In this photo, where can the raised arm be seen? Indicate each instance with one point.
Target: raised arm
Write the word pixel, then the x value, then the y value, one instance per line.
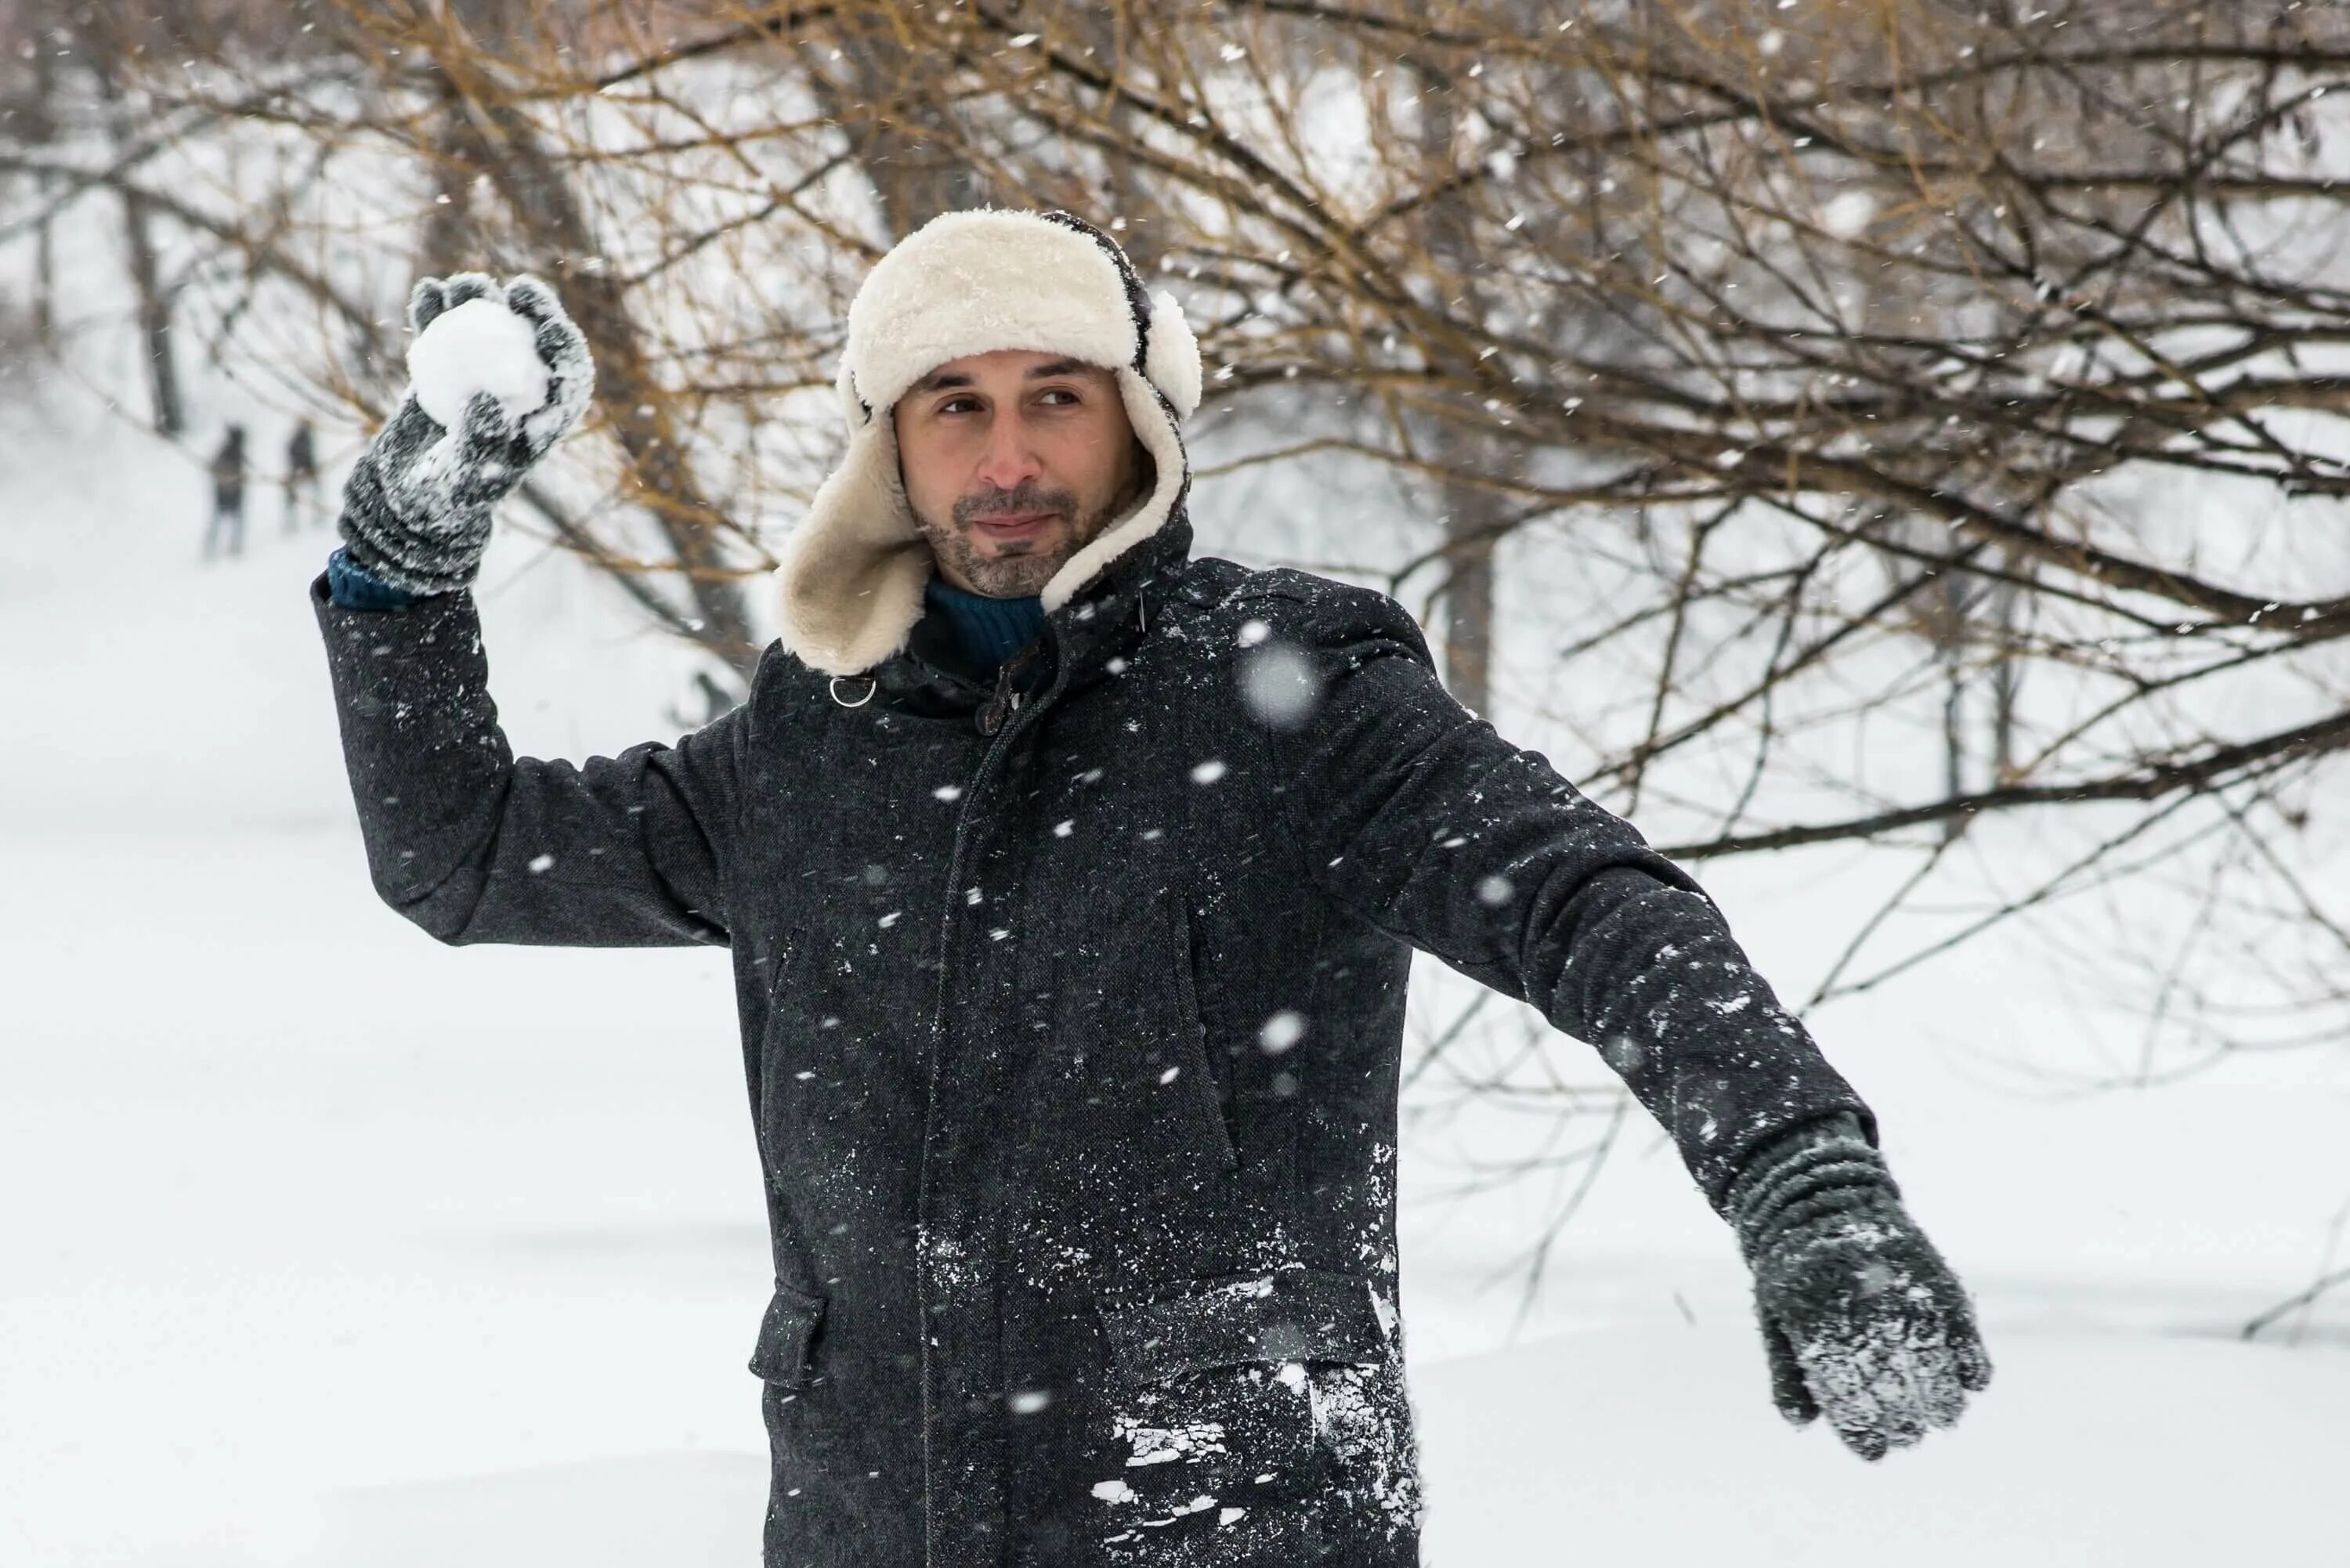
pixel 472 843
pixel 477 845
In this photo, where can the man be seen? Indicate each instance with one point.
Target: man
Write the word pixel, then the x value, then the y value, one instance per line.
pixel 299 486
pixel 226 532
pixel 1071 883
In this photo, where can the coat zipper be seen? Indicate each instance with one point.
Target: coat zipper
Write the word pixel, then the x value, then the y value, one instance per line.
pixel 1005 701
pixel 999 720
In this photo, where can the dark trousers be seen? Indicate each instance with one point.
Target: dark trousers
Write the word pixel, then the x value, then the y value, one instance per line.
pixel 303 499
pixel 228 523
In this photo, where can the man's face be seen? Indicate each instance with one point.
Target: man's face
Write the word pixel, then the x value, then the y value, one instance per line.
pixel 1013 462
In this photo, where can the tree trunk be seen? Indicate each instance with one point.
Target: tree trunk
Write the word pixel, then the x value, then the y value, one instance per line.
pixel 169 414
pixel 452 240
pixel 905 144
pixel 1469 522
pixel 1471 513
pixel 552 230
pixel 39 128
pixel 168 410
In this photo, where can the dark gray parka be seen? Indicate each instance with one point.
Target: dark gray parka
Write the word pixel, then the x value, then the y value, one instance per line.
pixel 1071 1030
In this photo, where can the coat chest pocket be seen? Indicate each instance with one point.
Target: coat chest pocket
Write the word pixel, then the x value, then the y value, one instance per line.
pixel 1188 1041
pixel 785 1355
pixel 1130 1056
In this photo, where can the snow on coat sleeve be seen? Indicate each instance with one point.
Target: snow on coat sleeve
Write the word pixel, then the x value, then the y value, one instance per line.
pixel 1422 820
pixel 477 845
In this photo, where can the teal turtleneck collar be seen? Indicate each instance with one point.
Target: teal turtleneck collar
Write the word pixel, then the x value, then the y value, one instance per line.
pixel 988 630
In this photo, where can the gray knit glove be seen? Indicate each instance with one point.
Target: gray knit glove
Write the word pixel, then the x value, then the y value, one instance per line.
pixel 416 508
pixel 1862 1320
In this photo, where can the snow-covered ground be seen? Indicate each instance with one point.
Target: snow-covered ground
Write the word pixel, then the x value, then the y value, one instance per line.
pixel 326 1245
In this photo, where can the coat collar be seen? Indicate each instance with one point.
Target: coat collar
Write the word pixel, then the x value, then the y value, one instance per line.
pixel 1103 620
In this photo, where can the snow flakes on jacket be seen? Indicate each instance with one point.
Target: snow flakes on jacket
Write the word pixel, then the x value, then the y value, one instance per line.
pixel 1072 1032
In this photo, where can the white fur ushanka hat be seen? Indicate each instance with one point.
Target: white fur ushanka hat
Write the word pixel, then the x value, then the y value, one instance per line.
pixel 971 282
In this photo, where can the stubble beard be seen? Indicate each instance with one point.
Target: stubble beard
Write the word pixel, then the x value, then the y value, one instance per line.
pixel 1020 567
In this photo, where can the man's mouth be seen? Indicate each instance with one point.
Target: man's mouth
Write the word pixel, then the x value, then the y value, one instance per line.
pixel 1014 525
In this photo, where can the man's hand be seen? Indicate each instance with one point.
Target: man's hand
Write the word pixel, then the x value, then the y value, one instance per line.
pixel 416 508
pixel 1862 1320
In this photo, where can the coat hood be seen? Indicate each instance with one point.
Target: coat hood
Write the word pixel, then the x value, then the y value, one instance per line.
pixel 850 582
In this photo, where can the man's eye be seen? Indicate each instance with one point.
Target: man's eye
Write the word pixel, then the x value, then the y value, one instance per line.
pixel 958 405
pixel 1069 398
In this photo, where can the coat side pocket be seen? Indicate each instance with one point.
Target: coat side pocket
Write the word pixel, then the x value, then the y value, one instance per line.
pixel 784 1354
pixel 1287 1314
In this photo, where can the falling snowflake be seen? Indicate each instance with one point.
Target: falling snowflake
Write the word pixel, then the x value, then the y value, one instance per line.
pixel 1279 685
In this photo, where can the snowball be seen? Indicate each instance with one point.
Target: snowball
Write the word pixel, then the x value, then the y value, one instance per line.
pixel 477 346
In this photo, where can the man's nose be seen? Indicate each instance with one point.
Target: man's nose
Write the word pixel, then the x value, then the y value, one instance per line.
pixel 1010 459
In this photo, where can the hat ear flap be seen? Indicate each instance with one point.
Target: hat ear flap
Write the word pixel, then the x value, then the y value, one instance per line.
pixel 1172 363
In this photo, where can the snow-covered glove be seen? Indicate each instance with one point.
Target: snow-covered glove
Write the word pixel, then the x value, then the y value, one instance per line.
pixel 1862 1320
pixel 416 508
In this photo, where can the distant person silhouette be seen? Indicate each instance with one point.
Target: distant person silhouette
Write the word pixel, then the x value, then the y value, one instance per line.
pixel 301 481
pixel 228 495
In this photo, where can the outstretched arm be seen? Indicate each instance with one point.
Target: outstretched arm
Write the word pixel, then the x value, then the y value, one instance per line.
pixel 1428 824
pixel 1425 822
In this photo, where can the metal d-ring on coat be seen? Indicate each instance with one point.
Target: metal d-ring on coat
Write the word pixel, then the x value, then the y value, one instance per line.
pixel 1073 1041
